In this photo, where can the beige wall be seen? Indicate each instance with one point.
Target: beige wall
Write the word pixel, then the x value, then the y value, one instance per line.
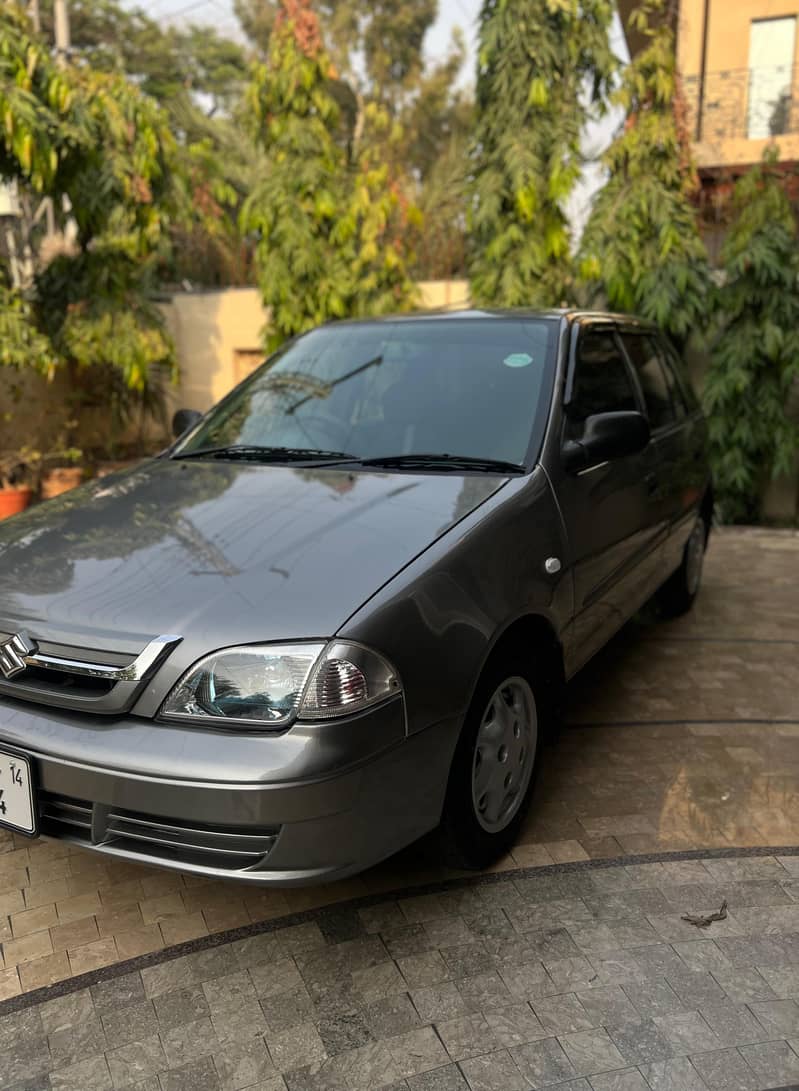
pixel 726 72
pixel 218 336
pixel 727 78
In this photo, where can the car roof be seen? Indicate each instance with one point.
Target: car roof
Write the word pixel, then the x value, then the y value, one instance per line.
pixel 570 314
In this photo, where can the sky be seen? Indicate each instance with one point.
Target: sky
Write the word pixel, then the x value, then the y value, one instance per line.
pixel 452 13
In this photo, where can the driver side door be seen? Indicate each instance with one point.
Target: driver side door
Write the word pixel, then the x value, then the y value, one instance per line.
pixel 609 509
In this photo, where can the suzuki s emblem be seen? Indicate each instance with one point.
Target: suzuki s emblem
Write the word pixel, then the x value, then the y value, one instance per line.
pixel 13 652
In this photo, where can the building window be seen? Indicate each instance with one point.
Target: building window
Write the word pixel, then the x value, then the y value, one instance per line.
pixel 772 45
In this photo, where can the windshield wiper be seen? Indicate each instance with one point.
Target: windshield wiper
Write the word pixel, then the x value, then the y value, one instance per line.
pixel 252 453
pixel 443 462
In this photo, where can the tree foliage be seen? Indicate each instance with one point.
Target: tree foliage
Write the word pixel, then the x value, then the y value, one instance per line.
pixel 754 372
pixel 103 153
pixel 641 250
pixel 541 64
pixel 326 214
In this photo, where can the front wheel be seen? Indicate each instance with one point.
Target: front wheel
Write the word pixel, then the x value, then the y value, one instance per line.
pixel 678 593
pixel 493 769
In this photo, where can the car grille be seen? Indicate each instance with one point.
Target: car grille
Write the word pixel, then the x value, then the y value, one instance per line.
pixel 83 678
pixel 222 848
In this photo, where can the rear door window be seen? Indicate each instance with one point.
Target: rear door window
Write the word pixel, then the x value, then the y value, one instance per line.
pixel 602 382
pixel 644 355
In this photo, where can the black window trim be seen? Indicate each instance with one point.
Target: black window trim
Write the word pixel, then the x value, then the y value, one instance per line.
pixel 581 328
pixel 643 330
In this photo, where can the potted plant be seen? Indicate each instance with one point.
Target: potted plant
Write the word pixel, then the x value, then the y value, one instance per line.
pixel 63 473
pixel 18 477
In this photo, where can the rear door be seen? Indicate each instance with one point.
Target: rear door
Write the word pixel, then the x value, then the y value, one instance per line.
pixel 612 524
pixel 677 440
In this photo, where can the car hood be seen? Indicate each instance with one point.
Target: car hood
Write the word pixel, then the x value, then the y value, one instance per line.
pixel 223 553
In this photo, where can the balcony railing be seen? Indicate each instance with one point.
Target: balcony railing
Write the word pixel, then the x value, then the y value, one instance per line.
pixel 743 103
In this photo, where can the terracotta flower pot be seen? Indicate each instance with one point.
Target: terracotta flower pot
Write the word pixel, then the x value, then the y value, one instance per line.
pixel 14 500
pixel 61 480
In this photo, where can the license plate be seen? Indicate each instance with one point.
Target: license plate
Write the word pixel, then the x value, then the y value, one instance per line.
pixel 17 806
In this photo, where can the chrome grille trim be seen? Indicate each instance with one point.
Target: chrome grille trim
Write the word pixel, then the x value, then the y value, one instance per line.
pixel 80 679
pixel 167 840
pixel 133 672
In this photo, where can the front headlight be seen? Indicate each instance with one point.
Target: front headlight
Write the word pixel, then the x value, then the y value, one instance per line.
pixel 269 686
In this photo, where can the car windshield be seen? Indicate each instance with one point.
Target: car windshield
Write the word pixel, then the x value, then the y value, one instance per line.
pixel 472 388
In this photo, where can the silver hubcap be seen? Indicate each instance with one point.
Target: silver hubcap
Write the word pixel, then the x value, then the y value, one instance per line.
pixel 694 556
pixel 504 754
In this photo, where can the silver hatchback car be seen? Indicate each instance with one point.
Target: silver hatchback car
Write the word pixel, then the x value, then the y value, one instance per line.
pixel 340 610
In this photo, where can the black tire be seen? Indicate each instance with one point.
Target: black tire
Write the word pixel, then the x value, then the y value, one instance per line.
pixel 466 842
pixel 678 593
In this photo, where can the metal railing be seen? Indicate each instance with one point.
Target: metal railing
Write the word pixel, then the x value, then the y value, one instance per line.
pixel 743 103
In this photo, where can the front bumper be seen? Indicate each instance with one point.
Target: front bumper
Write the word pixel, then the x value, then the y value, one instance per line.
pixel 320 802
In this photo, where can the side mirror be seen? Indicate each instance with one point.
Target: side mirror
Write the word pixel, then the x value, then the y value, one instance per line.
pixel 183 420
pixel 606 436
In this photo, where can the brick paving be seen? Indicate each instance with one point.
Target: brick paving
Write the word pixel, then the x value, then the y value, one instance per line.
pixel 680 736
pixel 582 977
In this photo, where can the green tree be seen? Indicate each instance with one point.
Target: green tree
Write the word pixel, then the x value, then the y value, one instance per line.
pixel 103 153
pixel 754 372
pixel 541 66
pixel 641 250
pixel 323 213
pixel 376 51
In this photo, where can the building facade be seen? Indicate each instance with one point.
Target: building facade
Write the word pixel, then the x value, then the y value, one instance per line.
pixel 739 65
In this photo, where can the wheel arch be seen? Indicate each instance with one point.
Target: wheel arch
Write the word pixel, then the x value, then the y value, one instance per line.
pixel 534 632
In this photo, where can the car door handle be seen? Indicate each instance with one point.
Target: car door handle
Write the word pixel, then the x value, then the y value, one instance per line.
pixel 651 482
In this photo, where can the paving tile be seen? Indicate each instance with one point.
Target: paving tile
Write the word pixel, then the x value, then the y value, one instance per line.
pixel 71 1044
pixel 229 990
pixel 416 1051
pixel 527 981
pixel 66 1011
pixel 774 1062
pixel 742 984
pixel 199 1074
pixel 294 1048
pixel 136 1061
pixel 343 1031
pixel 273 978
pixel 641 1043
pixel 695 987
pixel 484 991
pixel 542 1063
pixel 390 1016
pixel 92 956
pixel 495 1071
pixel 243 1064
pixel 428 968
pixel 439 1002
pixel 515 1025
pixel 779 1018
pixel 782 980
pixel 676 1074
pixel 284 1010
pixel 186 1041
pixel 687 1032
pixel 733 1024
pixel 165 977
pixel 117 992
pixel 627 1079
pixel 466 1036
pixel 725 1070
pixel 9 983
pixel 131 1023
pixel 181 1006
pixel 244 1020
pixel 591 1051
pixel 652 998
pixel 562 1014
pixel 448 1078
pixel 74 934
pixel 89 1074
pixel 608 1004
pixel 44 971
pixel 466 960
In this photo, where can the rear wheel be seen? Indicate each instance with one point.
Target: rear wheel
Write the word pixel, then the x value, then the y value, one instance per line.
pixel 494 765
pixel 678 593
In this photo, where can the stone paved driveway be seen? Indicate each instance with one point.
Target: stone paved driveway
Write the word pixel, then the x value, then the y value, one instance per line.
pixel 683 740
